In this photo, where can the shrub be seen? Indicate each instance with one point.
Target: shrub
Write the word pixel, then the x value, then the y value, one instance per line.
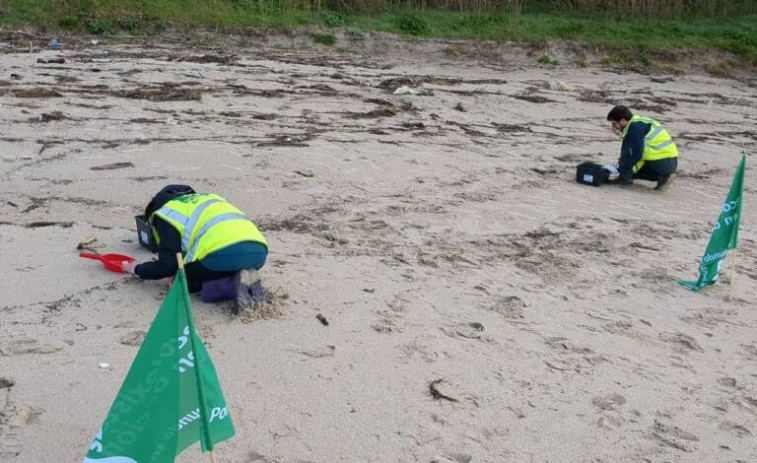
pixel 720 69
pixel 78 8
pixel 69 22
pixel 740 43
pixel 156 27
pixel 245 4
pixel 332 19
pixel 96 26
pixel 546 59
pixel 569 30
pixel 632 56
pixel 468 22
pixel 128 24
pixel 354 35
pixel 412 25
pixel 450 52
pixel 325 39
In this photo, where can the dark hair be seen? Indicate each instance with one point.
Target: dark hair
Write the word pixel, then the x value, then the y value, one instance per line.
pixel 168 193
pixel 619 112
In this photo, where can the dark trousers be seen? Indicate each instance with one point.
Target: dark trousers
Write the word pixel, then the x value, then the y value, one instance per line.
pixel 225 263
pixel 197 273
pixel 653 170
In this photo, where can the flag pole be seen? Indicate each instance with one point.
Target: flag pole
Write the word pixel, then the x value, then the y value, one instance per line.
pixel 733 275
pixel 180 260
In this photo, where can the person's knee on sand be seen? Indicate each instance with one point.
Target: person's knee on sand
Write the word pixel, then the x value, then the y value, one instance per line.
pixel 647 152
pixel 219 245
pixel 664 182
pixel 244 289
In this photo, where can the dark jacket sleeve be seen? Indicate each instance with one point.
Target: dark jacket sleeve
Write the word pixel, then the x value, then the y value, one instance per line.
pixel 170 244
pixel 632 148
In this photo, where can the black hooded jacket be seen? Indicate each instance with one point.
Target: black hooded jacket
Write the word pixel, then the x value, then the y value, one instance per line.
pixel 170 240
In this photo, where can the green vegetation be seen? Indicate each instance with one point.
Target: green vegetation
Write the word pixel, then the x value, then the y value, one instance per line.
pixel 97 26
pixel 412 24
pixel 720 69
pixel 333 19
pixel 641 58
pixel 354 35
pixel 648 26
pixel 546 59
pixel 325 39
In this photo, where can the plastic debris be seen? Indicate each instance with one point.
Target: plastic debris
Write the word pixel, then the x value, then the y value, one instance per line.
pixel 405 90
pixel 558 85
pixel 563 87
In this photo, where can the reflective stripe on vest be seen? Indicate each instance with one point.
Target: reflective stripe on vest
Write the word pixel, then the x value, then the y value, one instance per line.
pixel 658 144
pixel 212 222
pixel 196 225
pixel 189 226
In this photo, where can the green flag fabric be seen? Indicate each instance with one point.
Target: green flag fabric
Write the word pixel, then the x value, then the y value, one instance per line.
pixel 171 397
pixel 725 234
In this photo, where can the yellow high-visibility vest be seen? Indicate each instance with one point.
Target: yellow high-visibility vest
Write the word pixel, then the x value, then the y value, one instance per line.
pixel 207 223
pixel 658 144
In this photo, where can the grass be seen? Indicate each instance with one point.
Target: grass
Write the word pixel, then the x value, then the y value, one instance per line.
pixel 721 69
pixel 737 34
pixel 324 39
pixel 546 59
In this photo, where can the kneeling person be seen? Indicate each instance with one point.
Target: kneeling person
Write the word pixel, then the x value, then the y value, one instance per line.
pixel 221 246
pixel 648 152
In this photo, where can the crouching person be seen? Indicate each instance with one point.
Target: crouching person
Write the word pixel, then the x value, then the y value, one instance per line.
pixel 648 152
pixel 222 248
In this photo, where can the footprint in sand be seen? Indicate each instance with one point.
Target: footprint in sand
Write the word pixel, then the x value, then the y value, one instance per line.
pixel 565 345
pixel 133 338
pixel 609 401
pixel 12 419
pixel 682 341
pixel 610 422
pixel 320 352
pixel 453 458
pixel 509 306
pixel 472 330
pixel 727 382
pixel 29 346
pixel 736 429
pixel 419 350
pixel 673 436
pixel 391 320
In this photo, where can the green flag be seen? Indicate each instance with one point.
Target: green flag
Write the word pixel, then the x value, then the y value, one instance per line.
pixel 725 234
pixel 171 397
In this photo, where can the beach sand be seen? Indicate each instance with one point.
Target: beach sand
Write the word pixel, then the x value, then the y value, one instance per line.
pixel 482 305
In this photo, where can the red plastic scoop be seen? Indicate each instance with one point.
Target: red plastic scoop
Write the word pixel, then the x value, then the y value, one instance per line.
pixel 111 261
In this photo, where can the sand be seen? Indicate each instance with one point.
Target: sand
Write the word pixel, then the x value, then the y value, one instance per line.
pixel 482 305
